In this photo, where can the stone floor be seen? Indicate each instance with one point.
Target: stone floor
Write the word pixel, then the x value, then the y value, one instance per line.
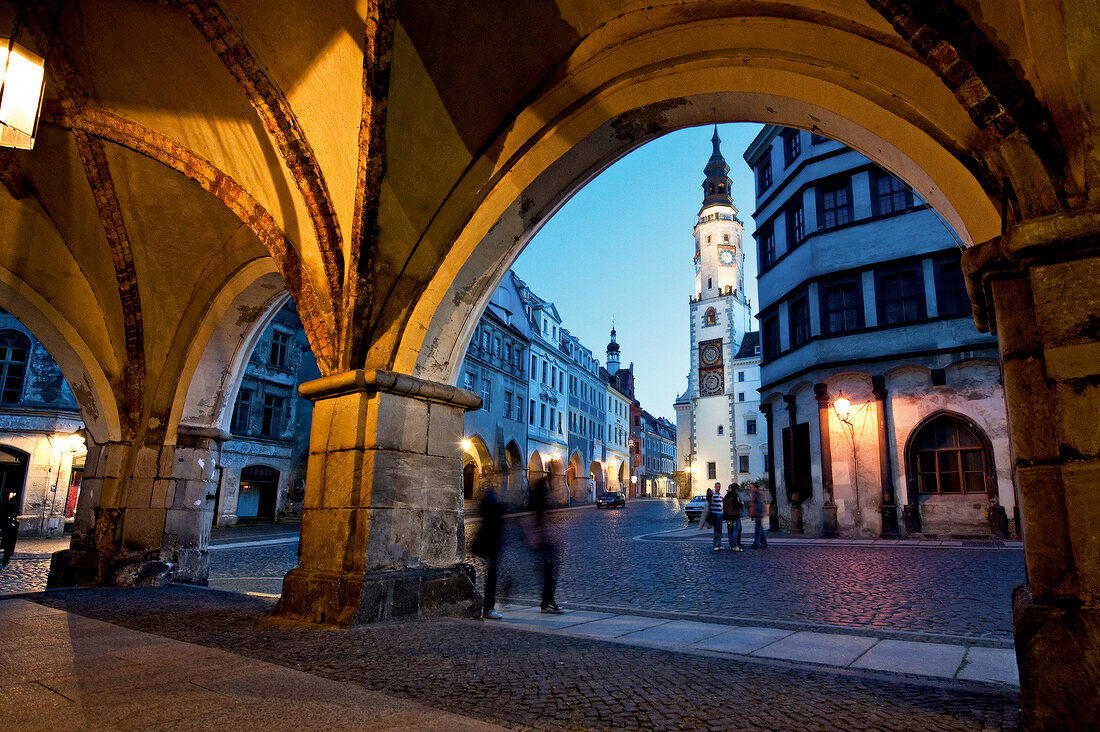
pixel 192 658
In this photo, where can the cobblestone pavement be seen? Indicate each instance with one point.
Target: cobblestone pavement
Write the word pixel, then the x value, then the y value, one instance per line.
pixel 532 680
pixel 944 591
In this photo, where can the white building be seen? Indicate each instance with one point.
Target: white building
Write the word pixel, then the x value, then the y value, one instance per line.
pixel 862 297
pixel 711 415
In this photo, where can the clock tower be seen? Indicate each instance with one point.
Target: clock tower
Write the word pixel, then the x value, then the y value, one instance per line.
pixel 717 393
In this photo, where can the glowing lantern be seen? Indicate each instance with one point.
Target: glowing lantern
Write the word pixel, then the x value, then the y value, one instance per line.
pixel 24 75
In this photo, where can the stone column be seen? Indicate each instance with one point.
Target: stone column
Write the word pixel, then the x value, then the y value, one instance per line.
pixel 1038 288
pixel 773 514
pixel 886 472
pixel 382 527
pixel 828 510
pixel 144 514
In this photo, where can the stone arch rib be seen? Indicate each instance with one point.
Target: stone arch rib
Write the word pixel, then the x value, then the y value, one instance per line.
pixel 136 137
pixel 96 169
pixel 225 38
pixel 999 101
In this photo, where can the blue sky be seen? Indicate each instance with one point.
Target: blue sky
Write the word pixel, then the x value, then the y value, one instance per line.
pixel 622 248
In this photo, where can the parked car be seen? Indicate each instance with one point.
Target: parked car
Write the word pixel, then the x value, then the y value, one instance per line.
pixel 610 499
pixel 694 508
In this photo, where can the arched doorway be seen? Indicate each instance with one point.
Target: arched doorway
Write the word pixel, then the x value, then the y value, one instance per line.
pixel 468 477
pixel 257 494
pixel 951 476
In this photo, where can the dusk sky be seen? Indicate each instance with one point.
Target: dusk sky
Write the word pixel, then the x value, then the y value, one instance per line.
pixel 622 249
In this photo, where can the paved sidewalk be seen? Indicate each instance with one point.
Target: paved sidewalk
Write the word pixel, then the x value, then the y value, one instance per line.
pixel 919 655
pixel 63 670
pixel 693 533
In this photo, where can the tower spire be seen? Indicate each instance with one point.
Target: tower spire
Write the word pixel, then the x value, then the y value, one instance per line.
pixel 716 184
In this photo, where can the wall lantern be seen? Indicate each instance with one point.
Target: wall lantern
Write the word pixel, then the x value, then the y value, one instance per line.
pixel 21 87
pixel 843 407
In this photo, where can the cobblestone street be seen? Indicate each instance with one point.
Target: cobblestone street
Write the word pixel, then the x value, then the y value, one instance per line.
pixel 614 560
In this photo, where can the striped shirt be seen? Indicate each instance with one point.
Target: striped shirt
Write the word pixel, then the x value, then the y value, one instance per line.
pixel 716 503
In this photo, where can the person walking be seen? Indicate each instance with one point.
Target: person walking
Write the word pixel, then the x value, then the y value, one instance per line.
pixel 732 506
pixel 487 545
pixel 540 538
pixel 715 515
pixel 756 511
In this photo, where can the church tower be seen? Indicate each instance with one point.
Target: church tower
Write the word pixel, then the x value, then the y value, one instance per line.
pixel 710 410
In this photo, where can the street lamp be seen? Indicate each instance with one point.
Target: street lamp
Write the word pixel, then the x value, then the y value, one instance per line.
pixel 466 445
pixel 842 405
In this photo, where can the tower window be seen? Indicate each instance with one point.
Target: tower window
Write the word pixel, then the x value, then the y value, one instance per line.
pixel 711 316
pixel 709 283
pixel 721 429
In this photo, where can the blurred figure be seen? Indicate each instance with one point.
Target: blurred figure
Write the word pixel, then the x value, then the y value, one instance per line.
pixel 714 518
pixel 757 509
pixel 9 530
pixel 540 538
pixel 487 545
pixel 732 506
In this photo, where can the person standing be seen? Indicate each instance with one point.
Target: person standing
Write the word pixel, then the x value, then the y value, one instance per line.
pixel 715 515
pixel 732 506
pixel 756 511
pixel 487 546
pixel 541 539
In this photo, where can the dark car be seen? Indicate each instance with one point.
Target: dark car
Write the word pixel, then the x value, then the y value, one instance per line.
pixel 610 499
pixel 694 508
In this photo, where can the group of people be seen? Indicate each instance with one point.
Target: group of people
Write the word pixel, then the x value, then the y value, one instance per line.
pixel 538 535
pixel 729 509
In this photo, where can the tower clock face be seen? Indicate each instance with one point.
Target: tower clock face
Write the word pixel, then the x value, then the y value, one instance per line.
pixel 726 257
pixel 712 383
pixel 710 354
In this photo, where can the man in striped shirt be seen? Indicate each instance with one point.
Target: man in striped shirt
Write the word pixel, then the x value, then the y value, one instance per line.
pixel 715 517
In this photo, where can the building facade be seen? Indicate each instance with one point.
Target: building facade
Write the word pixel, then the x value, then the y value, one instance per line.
pixel 494 445
pixel 587 400
pixel 262 463
pixel 42 445
pixel 717 401
pixel 886 405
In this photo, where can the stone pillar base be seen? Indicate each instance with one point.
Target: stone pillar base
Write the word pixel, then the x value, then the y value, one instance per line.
pixel 80 567
pixel 357 599
pixel 796 519
pixel 829 522
pixel 1058 652
pixel 911 516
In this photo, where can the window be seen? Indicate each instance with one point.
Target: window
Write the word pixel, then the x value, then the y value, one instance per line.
pixel 545 370
pixel 486 394
pixel 951 298
pixel 889 194
pixel 740 396
pixel 800 321
pixel 766 239
pixel 750 426
pixel 711 316
pixel 712 471
pixel 721 429
pixel 531 414
pixel 519 409
pixel 239 423
pixel 710 283
pixel 534 365
pixel 468 381
pixel 763 176
pixel 796 226
pixel 841 306
pixel 770 334
pixel 14 350
pixel 272 422
pixel 742 463
pixel 792 146
pixel 740 375
pixel 542 416
pixel 900 295
pixel 508 353
pixel 280 342
pixel 496 346
pixel 948 458
pixel 835 204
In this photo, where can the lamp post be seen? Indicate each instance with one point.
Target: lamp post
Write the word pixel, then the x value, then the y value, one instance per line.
pixel 843 408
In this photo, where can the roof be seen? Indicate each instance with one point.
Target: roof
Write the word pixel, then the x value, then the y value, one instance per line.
pixel 750 346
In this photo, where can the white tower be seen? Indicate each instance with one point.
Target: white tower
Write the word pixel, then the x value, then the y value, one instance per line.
pixel 719 318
